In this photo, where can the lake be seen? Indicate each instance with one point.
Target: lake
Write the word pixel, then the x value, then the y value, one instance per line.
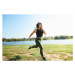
pixel 64 42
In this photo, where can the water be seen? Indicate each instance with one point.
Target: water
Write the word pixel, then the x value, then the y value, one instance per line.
pixel 64 42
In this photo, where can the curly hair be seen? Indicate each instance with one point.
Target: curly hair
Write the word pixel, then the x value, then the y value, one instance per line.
pixel 37 25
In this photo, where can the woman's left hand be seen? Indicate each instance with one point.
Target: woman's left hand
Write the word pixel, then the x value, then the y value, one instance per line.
pixel 42 28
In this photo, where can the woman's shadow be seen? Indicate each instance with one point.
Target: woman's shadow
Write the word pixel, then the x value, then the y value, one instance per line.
pixel 17 57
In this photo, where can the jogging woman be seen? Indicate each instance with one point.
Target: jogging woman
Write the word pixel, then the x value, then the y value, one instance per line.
pixel 39 33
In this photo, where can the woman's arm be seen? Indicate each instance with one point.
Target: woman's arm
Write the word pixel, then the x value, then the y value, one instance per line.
pixel 32 34
pixel 43 31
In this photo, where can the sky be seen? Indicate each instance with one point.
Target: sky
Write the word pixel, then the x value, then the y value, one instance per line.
pixel 22 25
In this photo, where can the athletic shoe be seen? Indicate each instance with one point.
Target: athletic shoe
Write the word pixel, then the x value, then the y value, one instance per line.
pixel 44 58
pixel 29 47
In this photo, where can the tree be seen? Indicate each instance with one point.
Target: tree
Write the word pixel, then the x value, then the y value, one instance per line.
pixel 68 37
pixel 57 37
pixel 4 40
pixel 12 39
pixel 52 37
pixel 62 37
pixel 71 36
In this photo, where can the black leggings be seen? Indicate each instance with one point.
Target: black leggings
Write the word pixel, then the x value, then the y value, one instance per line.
pixel 38 44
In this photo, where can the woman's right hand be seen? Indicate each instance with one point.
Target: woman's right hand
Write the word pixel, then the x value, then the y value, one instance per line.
pixel 28 39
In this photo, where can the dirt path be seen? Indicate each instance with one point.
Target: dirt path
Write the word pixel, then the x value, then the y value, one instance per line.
pixel 4 58
pixel 58 56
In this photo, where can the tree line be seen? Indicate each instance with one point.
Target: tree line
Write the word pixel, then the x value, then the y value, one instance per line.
pixel 43 38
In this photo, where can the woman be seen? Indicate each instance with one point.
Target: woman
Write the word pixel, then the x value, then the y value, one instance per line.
pixel 39 32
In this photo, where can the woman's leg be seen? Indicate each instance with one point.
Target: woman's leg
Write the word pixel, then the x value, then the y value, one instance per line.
pixel 35 46
pixel 41 50
pixel 40 46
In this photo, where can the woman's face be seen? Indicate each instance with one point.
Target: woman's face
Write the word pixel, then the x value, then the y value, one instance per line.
pixel 40 25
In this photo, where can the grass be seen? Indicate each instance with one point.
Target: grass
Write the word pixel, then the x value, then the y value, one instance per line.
pixel 51 52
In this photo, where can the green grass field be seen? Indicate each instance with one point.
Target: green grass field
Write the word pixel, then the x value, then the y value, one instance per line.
pixel 51 52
